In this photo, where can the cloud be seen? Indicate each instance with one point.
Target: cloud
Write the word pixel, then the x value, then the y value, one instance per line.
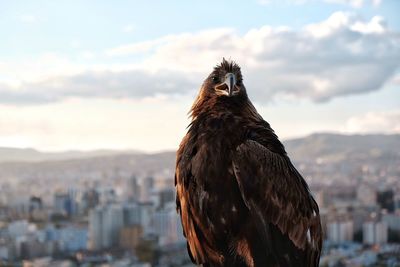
pixel 104 84
pixel 343 55
pixel 355 3
pixel 374 122
pixel 150 124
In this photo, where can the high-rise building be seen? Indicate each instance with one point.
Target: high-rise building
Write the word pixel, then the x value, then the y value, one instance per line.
pixel 341 231
pixel 167 225
pixel 375 233
pixel 106 222
pixel 369 233
pixel 96 228
pixel 90 199
pixel 131 214
pixel 133 189
pixel 60 202
pixel 381 233
pixel 65 202
pixel 146 210
pixel 165 196
pixel 146 187
pixel 113 221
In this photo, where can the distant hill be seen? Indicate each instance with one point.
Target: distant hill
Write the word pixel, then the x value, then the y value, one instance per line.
pixel 337 151
pixel 329 146
pixel 338 147
pixel 8 154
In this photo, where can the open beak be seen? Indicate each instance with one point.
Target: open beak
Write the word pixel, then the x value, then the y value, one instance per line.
pixel 228 85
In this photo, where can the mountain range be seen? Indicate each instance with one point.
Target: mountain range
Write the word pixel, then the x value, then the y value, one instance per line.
pixel 327 145
pixel 338 151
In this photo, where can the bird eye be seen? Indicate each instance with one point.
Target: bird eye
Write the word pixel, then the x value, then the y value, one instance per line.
pixel 215 79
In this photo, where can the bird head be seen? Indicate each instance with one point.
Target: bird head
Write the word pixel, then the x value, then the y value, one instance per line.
pixel 225 80
pixel 224 86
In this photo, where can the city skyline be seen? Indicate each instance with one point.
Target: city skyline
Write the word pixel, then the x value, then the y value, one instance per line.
pixel 120 209
pixel 90 76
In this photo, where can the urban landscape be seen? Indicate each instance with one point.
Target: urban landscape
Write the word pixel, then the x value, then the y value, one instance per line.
pixel 119 209
pixel 96 96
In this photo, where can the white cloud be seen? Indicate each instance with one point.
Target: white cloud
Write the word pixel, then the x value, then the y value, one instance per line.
pixel 321 61
pixel 149 124
pixel 376 25
pixel 342 55
pixel 374 122
pixel 356 3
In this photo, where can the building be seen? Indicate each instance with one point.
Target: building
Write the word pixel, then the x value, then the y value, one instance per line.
pixel 381 233
pixel 20 228
pixel 90 199
pixel 95 229
pixel 397 201
pixel 65 203
pixel 166 196
pixel 106 223
pixel 392 220
pixel 146 210
pixel 133 189
pixel 130 236
pixel 113 221
pixel 366 195
pixel 146 187
pixel 375 233
pixel 73 238
pixel 385 200
pixel 132 214
pixel 340 231
pixel 167 225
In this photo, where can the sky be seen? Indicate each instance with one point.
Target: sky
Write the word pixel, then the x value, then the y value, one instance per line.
pixel 123 74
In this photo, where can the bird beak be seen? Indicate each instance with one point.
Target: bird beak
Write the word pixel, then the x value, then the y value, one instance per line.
pixel 228 86
pixel 230 81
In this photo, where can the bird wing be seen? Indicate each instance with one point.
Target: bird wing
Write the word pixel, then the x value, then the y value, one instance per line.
pixel 196 233
pixel 278 198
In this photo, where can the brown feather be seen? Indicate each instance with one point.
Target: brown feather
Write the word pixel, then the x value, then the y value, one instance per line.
pixel 240 199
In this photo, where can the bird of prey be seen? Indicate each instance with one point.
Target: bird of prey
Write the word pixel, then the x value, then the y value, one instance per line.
pixel 240 199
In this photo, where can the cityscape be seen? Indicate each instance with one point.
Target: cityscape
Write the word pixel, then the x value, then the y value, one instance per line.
pixel 95 97
pixel 118 209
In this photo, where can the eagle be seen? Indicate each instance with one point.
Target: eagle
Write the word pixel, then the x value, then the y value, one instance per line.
pixel 240 199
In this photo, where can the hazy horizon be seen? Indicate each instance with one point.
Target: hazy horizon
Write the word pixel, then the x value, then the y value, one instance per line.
pixel 134 150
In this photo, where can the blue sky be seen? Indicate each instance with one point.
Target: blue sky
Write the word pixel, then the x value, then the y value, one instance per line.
pixel 32 27
pixel 121 75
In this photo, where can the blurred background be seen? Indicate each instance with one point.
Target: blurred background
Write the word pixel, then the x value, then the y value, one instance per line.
pixel 94 97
